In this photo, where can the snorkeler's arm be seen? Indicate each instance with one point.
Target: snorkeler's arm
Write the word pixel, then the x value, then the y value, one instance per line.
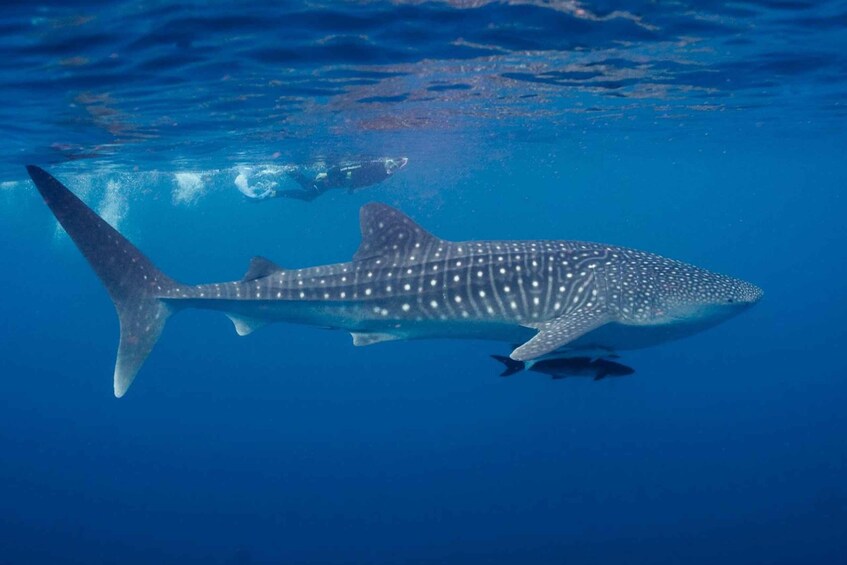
pixel 308 183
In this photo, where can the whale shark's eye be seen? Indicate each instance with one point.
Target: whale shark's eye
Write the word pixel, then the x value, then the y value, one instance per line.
pixel 730 300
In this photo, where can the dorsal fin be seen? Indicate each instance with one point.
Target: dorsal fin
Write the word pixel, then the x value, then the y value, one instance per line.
pixel 388 232
pixel 260 267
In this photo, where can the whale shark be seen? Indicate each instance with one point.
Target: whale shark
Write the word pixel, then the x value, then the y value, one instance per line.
pixel 406 283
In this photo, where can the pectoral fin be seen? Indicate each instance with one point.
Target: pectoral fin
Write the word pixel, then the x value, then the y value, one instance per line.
pixel 560 331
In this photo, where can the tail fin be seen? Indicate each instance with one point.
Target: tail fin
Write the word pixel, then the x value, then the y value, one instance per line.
pixel 131 279
pixel 512 366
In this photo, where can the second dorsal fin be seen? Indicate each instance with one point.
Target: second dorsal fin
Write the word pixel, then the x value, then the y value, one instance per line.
pixel 260 267
pixel 388 232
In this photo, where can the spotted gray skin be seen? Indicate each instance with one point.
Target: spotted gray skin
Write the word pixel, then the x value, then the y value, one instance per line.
pixel 405 283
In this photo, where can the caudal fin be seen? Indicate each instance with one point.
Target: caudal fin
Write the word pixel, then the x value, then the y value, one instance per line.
pixel 512 366
pixel 131 279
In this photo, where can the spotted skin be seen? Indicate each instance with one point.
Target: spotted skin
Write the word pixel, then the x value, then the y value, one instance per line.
pixel 405 283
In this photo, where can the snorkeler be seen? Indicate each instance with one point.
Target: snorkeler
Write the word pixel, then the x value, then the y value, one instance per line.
pixel 350 176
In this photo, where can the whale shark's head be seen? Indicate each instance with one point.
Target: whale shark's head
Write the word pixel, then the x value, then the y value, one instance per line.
pixel 689 295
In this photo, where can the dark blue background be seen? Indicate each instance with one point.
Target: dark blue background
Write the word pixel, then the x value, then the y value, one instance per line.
pixel 292 446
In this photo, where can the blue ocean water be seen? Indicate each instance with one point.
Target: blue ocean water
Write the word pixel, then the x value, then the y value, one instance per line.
pixel 712 132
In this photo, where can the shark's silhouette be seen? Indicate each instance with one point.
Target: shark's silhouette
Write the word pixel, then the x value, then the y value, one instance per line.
pixel 405 283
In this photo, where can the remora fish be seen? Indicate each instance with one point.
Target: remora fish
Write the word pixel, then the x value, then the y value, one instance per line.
pixel 405 283
pixel 561 367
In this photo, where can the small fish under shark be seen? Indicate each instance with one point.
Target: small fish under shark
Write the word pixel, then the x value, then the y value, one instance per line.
pixel 562 367
pixel 405 283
